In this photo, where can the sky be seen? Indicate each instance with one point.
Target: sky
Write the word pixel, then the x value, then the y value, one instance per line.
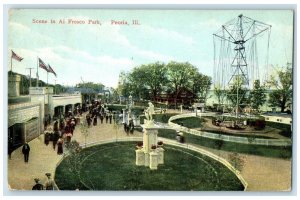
pixel 99 52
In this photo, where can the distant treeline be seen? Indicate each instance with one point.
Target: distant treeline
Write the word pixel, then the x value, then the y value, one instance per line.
pixel 25 84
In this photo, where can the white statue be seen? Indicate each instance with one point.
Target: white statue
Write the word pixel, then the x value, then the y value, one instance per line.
pixel 149 111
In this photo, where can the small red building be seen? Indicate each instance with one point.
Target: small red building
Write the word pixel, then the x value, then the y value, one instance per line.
pixel 184 97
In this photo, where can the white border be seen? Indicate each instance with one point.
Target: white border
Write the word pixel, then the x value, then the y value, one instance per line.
pixel 154 4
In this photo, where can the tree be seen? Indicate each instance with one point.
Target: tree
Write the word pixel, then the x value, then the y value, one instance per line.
pixel 84 130
pixel 281 89
pixel 179 75
pixel 257 96
pixel 97 87
pixel 220 94
pixel 201 85
pixel 74 159
pixel 148 78
pixel 237 93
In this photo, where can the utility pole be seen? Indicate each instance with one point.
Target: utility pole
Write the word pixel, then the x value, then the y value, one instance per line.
pixel 55 86
pixel 30 75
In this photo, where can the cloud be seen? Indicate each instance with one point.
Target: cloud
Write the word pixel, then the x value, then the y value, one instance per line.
pixel 100 69
pixel 211 23
pixel 168 35
pixel 13 26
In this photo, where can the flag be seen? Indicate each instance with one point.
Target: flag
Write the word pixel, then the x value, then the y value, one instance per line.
pixel 51 70
pixel 43 65
pixel 15 56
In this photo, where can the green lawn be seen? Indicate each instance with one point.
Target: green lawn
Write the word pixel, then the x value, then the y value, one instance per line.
pixel 190 122
pixel 268 151
pixel 112 167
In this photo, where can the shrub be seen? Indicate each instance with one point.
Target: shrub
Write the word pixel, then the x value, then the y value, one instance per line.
pixel 140 144
pixel 260 124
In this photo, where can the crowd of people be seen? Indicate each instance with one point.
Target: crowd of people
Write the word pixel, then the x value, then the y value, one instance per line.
pixel 63 129
pixel 60 131
pixel 98 110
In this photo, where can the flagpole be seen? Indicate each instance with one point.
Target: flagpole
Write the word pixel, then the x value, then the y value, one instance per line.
pixel 11 63
pixel 48 108
pixel 37 73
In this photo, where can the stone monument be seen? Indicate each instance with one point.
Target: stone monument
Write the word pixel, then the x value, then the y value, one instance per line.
pixel 150 154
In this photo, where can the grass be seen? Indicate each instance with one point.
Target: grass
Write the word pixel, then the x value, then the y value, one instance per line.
pixel 112 167
pixel 285 129
pixel 260 150
pixel 190 122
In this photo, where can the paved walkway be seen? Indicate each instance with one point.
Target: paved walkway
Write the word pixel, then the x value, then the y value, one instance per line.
pixel 261 173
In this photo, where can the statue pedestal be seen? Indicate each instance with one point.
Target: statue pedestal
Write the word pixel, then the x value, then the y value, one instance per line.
pixel 149 138
pixel 160 152
pixel 153 160
pixel 147 159
pixel 148 156
pixel 140 157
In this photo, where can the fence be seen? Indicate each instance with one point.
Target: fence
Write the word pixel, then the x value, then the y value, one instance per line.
pixel 209 154
pixel 228 138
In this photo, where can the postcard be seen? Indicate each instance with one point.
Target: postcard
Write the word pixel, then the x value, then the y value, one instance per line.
pixel 150 100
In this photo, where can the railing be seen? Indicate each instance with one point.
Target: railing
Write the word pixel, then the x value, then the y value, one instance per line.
pixel 211 155
pixel 228 138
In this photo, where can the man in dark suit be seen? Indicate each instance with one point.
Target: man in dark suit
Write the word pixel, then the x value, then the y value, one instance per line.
pixel 25 151
pixel 37 185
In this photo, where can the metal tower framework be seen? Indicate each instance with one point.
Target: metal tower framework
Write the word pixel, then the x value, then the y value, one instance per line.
pixel 238 32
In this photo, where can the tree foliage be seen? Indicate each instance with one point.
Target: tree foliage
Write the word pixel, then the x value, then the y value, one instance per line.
pixel 281 89
pixel 150 80
pixel 201 85
pixel 220 94
pixel 237 94
pixel 257 95
pixel 25 84
pixel 179 76
pixel 74 159
pixel 94 86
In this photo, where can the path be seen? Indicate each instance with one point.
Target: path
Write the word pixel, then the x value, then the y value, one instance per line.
pixel 43 159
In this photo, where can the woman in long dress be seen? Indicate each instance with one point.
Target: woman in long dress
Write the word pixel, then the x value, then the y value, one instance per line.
pixel 60 143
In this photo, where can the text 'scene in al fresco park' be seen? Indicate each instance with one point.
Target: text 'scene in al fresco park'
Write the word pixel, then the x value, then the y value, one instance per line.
pixel 86 21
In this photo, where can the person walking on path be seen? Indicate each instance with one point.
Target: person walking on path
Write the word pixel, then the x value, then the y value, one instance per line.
pixel 101 118
pixel 55 139
pixel 37 185
pixel 10 147
pixel 106 118
pixel 95 120
pixel 60 143
pixel 25 151
pixel 110 117
pixel 50 185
